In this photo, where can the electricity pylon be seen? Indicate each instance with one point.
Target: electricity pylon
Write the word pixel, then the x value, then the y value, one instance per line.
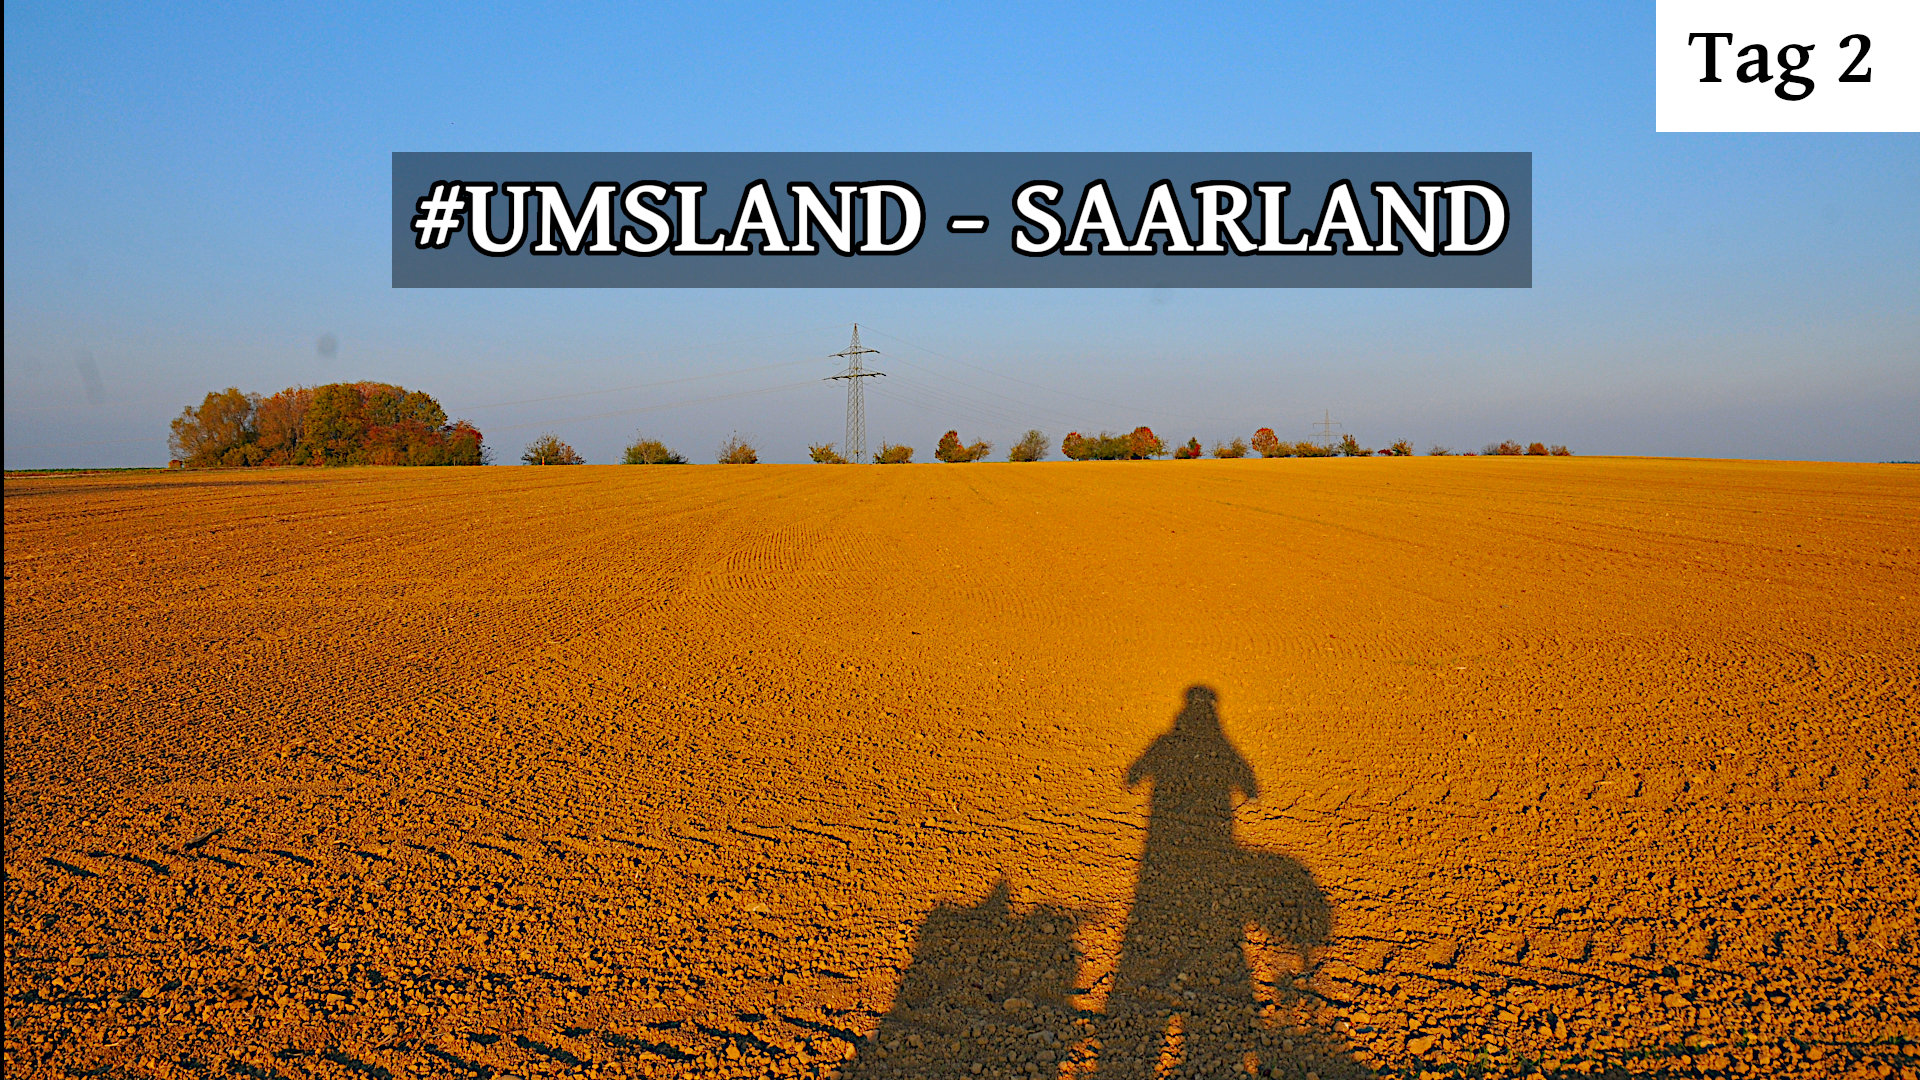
pixel 1326 425
pixel 856 400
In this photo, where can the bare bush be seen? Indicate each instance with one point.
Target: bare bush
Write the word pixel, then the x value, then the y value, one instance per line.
pixel 645 451
pixel 1560 451
pixel 1437 450
pixel 1235 449
pixel 1031 447
pixel 735 450
pixel 549 450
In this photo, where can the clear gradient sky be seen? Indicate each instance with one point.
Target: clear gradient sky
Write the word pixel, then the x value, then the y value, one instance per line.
pixel 196 198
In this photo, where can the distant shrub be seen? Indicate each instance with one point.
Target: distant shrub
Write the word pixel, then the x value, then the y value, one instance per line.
pixel 952 451
pixel 1189 450
pixel 1235 449
pixel 1538 449
pixel 1138 444
pixel 1105 446
pixel 1267 444
pixel 889 454
pixel 1350 447
pixel 1031 447
pixel 1400 448
pixel 549 450
pixel 825 454
pixel 1308 448
pixel 1509 448
pixel 645 451
pixel 735 450
pixel 1437 450
pixel 1560 451
pixel 1470 453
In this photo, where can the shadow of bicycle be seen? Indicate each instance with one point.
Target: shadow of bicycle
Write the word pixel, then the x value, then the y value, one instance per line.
pixel 989 991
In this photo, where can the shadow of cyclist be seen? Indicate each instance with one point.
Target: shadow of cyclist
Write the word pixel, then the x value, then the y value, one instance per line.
pixel 1184 996
pixel 991 986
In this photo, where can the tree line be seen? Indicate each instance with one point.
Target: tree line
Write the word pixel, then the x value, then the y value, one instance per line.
pixel 1140 444
pixel 370 423
pixel 357 423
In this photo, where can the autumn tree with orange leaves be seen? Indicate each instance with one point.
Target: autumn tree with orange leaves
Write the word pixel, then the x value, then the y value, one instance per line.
pixel 363 423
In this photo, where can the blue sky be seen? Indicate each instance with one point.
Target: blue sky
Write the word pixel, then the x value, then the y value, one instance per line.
pixel 195 198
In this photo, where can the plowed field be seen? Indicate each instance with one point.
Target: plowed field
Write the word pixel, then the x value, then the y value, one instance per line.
pixel 1424 766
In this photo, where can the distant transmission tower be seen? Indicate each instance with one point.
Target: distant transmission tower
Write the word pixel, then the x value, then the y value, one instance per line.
pixel 856 401
pixel 1326 424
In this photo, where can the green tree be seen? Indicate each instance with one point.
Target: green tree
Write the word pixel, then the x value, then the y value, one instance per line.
pixel 1031 447
pixel 549 450
pixel 1105 446
pixel 422 409
pixel 336 428
pixel 645 451
pixel 222 425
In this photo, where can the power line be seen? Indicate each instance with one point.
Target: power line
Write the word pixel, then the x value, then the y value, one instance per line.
pixel 656 408
pixel 1049 389
pixel 1021 412
pixel 638 386
pixel 941 409
pixel 935 400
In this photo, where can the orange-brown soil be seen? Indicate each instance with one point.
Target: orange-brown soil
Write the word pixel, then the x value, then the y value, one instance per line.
pixel 1421 767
